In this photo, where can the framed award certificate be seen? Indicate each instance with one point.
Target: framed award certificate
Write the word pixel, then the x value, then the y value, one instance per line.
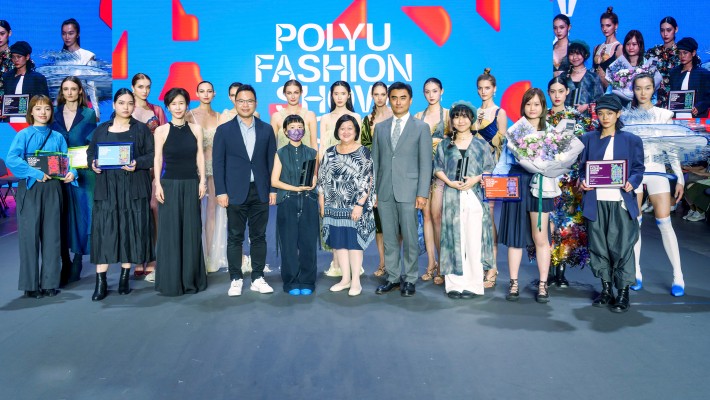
pixel 681 100
pixel 606 173
pixel 77 157
pixel 113 155
pixel 14 105
pixel 307 171
pixel 55 165
pixel 501 187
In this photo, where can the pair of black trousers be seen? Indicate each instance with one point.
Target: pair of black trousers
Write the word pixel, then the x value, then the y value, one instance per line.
pixel 255 213
pixel 298 235
pixel 611 244
pixel 39 225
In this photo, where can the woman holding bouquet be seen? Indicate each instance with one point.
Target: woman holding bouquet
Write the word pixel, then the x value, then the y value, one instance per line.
pixel 621 73
pixel 658 187
pixel 569 237
pixel 519 224
pixel 611 212
pixel 584 85
pixel 466 247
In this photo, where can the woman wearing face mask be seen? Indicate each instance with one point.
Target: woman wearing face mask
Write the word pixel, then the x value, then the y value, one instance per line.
pixel 438 119
pixel 665 57
pixel 380 112
pixel 76 122
pixel 610 50
pixel 179 190
pixel 297 212
pixel 39 201
pixel 5 59
pixel 561 26
pixel 689 75
pixel 121 225
pixel 22 78
pixel 293 90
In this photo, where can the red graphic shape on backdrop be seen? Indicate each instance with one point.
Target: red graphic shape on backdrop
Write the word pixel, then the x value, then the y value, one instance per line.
pixel 355 14
pixel 105 12
pixel 185 75
pixel 18 126
pixel 433 20
pixel 489 10
pixel 512 97
pixel 120 58
pixel 273 107
pixel 185 26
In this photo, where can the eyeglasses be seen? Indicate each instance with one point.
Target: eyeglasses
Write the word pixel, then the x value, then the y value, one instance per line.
pixel 247 102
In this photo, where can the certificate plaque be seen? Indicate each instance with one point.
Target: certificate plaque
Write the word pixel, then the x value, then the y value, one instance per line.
pixel 14 105
pixel 606 174
pixel 55 165
pixel 77 157
pixel 501 187
pixel 113 155
pixel 461 169
pixel 307 171
pixel 681 100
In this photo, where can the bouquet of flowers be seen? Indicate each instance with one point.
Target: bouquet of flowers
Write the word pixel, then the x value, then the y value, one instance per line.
pixel 621 74
pixel 548 154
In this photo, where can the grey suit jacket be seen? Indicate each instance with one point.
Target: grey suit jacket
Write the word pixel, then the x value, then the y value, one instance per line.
pixel 404 173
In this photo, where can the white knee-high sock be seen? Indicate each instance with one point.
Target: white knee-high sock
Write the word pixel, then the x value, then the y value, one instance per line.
pixel 637 251
pixel 670 243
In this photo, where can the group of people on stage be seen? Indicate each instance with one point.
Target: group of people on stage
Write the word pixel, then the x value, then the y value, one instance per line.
pixel 371 178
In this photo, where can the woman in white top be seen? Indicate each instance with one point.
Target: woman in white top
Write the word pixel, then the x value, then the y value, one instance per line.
pixel 658 187
pixel 71 36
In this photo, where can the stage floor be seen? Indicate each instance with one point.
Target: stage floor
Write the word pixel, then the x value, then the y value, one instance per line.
pixel 330 346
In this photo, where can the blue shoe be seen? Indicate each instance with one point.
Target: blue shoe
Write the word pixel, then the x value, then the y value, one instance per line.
pixel 638 286
pixel 677 291
pixel 306 292
pixel 294 292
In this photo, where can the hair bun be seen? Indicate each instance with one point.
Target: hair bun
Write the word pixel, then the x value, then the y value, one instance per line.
pixel 609 10
pixel 486 71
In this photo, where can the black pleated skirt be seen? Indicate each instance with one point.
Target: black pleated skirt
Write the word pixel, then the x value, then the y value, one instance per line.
pixel 181 263
pixel 514 229
pixel 121 226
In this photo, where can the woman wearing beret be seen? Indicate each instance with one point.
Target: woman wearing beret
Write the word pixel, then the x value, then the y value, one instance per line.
pixel 690 76
pixel 23 79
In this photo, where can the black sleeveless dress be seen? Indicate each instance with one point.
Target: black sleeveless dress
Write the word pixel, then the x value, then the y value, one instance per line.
pixel 181 263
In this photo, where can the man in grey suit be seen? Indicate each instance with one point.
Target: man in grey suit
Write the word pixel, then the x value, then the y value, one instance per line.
pixel 402 158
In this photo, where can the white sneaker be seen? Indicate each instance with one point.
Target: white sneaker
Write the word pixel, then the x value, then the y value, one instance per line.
pixel 261 286
pixel 699 216
pixel 150 277
pixel 690 214
pixel 235 289
pixel 333 271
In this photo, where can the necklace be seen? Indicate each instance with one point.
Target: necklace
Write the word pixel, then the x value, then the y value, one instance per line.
pixel 179 126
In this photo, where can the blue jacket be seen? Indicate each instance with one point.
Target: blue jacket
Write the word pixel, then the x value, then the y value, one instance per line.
pixel 699 81
pixel 33 84
pixel 231 164
pixel 627 146
pixel 27 141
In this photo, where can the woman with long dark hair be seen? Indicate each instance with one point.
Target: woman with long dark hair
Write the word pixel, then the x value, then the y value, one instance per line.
pixel 121 223
pixel 76 122
pixel 561 26
pixel 5 59
pixel 71 36
pixel 665 58
pixel 585 86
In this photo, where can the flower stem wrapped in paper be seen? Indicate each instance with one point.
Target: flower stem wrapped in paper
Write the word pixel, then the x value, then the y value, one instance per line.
pixel 547 154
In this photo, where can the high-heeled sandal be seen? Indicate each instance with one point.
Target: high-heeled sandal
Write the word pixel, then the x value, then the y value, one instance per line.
pixel 438 278
pixel 431 272
pixel 513 291
pixel 380 271
pixel 490 282
pixel 543 296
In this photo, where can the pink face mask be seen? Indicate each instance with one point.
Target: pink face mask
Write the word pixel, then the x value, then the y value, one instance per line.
pixel 295 134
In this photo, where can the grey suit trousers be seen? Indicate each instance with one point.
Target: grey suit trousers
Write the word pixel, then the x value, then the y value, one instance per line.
pixel 400 219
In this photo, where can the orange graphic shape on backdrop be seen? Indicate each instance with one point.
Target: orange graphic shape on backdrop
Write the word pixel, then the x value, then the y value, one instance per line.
pixel 512 97
pixel 120 58
pixel 274 107
pixel 489 10
pixel 355 14
pixel 18 126
pixel 184 75
pixel 185 26
pixel 105 12
pixel 433 20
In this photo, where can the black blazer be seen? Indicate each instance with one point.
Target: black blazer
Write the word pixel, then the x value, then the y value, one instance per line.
pixel 699 81
pixel 34 83
pixel 231 164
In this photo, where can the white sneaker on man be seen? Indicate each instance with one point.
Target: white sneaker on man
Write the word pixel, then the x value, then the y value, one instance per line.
pixel 261 286
pixel 690 214
pixel 235 288
pixel 699 216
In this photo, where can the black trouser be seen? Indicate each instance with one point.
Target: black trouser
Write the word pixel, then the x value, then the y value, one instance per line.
pixel 38 218
pixel 256 214
pixel 298 235
pixel 611 244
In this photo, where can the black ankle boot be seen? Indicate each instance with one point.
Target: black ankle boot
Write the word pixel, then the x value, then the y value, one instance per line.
pixel 76 267
pixel 100 290
pixel 621 304
pixel 606 297
pixel 65 272
pixel 561 280
pixel 123 281
pixel 552 276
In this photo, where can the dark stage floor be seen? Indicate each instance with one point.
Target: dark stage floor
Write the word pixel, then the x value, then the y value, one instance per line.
pixel 329 346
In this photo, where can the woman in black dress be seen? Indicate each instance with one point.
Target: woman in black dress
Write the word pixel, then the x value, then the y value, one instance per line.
pixel 121 227
pixel 179 191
